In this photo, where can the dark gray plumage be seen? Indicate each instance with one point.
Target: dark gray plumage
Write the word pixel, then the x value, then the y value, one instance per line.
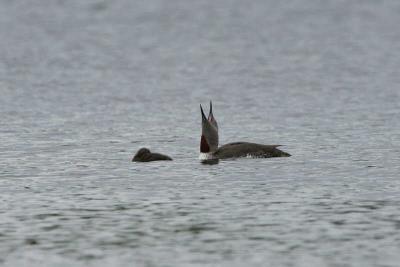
pixel 144 155
pixel 245 149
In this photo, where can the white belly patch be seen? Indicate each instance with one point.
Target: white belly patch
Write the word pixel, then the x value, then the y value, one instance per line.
pixel 206 156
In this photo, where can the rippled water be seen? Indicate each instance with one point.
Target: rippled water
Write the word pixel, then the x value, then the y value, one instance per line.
pixel 85 84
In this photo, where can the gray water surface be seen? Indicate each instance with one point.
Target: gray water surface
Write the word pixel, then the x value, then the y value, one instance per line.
pixel 85 84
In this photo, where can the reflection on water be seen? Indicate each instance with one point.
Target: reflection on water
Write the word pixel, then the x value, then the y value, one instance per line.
pixel 210 161
pixel 85 84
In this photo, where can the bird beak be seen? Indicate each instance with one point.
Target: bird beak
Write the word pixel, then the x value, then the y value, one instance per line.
pixel 203 116
pixel 210 114
pixel 211 118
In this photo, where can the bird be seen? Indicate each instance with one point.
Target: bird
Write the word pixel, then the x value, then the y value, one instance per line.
pixel 209 141
pixel 144 155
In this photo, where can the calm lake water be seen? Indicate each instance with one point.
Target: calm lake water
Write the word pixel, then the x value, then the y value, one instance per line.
pixel 85 84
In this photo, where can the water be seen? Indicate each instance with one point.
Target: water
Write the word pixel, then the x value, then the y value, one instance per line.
pixel 85 84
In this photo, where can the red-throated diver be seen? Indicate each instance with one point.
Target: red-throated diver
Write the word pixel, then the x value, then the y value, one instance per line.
pixel 144 155
pixel 209 144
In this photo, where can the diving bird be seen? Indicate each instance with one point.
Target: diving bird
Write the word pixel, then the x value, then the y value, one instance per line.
pixel 144 155
pixel 209 142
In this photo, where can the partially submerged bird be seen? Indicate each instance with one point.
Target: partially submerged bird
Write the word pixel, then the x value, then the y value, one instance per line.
pixel 144 155
pixel 209 149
